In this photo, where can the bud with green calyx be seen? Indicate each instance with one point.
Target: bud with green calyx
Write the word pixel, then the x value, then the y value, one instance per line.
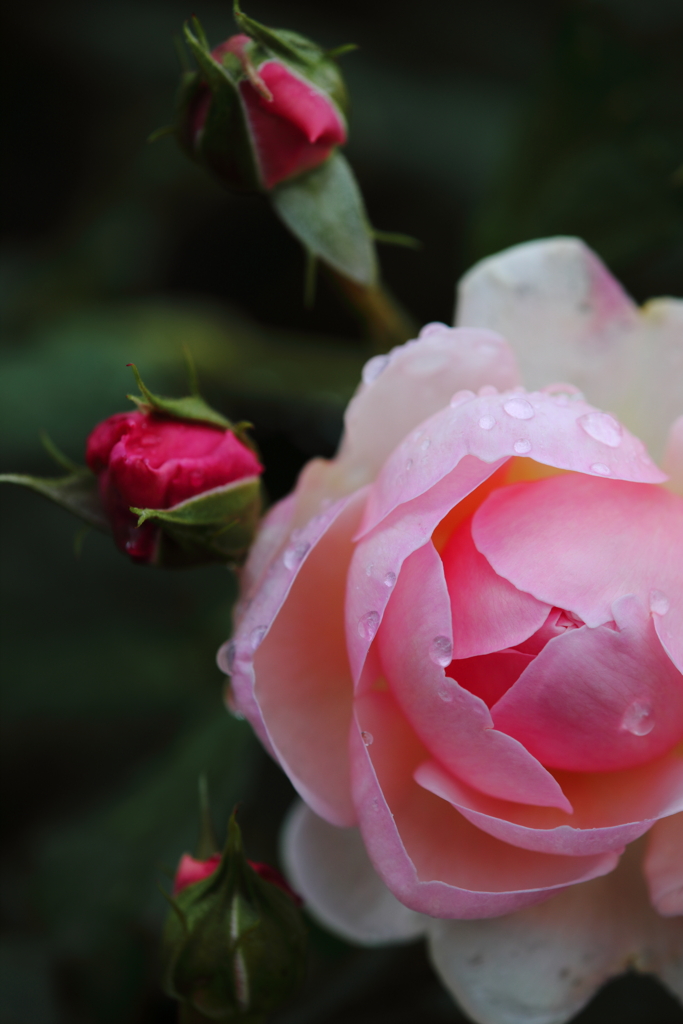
pixel 174 482
pixel 234 946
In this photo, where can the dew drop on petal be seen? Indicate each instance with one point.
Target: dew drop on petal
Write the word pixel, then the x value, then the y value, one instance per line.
pixel 487 422
pixel 366 737
pixel 600 468
pixel 444 694
pixel 368 625
pixel 425 444
pixel 638 718
pixel 389 579
pixel 460 397
pixel 368 568
pixel 602 427
pixel 441 651
pixel 374 367
pixel 487 389
pixel 433 328
pixel 295 554
pixel 522 446
pixel 409 464
pixel 659 602
pixel 147 440
pixel 231 705
pixel 519 408
pixel 226 657
pixel 257 636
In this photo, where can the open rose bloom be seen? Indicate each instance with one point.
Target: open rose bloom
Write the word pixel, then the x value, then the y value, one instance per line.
pixel 462 639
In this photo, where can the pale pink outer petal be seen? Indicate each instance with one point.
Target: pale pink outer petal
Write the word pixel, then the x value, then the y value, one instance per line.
pixel 544 427
pixel 398 391
pixel 489 614
pixel 429 855
pixel 664 866
pixel 330 869
pixel 582 543
pixel 673 457
pixel 544 963
pixel 598 699
pixel 290 674
pixel 454 725
pixel 410 502
pixel 568 319
pixel 273 533
pixel 610 808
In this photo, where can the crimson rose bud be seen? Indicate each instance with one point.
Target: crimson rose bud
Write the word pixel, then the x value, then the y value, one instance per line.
pixel 264 107
pixel 152 463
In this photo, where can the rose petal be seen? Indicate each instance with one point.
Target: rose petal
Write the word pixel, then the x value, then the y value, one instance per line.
pixel 330 868
pixel 454 725
pixel 568 319
pixel 272 535
pixel 581 543
pixel 544 963
pixel 673 457
pixel 489 614
pixel 429 855
pixel 491 675
pixel 548 428
pixel 290 674
pixel 663 866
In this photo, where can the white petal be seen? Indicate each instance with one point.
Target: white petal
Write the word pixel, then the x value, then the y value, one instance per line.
pixel 568 320
pixel 541 965
pixel 664 865
pixel 330 869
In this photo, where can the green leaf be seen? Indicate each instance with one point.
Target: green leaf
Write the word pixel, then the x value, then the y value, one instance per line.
pixel 324 209
pixel 192 407
pixel 76 492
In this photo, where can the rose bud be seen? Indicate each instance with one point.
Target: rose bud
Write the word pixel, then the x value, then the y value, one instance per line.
pixel 177 490
pixel 235 941
pixel 265 106
pixel 462 639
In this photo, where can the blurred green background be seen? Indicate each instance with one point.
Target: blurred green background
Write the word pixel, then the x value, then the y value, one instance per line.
pixel 474 126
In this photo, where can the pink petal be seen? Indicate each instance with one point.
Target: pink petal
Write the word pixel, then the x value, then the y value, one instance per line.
pixel 673 457
pixel 298 101
pixel 491 675
pixel 272 535
pixel 598 699
pixel 533 828
pixel 581 543
pixel 489 614
pixel 429 856
pixel 454 725
pixel 290 672
pixel 664 866
pixel 548 428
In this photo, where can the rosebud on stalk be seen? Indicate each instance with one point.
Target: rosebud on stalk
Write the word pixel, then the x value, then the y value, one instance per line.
pixel 234 946
pixel 175 482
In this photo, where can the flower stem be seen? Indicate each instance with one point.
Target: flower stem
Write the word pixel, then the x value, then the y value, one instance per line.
pixel 385 321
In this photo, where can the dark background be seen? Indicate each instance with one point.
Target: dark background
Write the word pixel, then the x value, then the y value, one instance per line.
pixel 474 126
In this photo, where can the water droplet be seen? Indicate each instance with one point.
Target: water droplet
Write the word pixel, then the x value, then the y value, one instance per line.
pixel 441 651
pixel 638 718
pixel 374 367
pixel 369 568
pixel 425 444
pixel 563 393
pixel 389 579
pixel 434 328
pixel 257 636
pixel 294 554
pixel 226 657
pixel 602 427
pixel 486 422
pixel 461 396
pixel 368 625
pixel 196 478
pixel 147 440
pixel 522 446
pixel 487 389
pixel 600 468
pixel 409 464
pixel 231 704
pixel 659 602
pixel 444 694
pixel 519 409
pixel 367 738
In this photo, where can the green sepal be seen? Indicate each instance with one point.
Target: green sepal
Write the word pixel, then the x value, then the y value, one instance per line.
pixel 191 407
pixel 76 492
pixel 234 944
pixel 216 526
pixel 324 209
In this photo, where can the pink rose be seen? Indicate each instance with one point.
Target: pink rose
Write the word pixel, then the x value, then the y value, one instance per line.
pixel 144 460
pixel 462 639
pixel 293 123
